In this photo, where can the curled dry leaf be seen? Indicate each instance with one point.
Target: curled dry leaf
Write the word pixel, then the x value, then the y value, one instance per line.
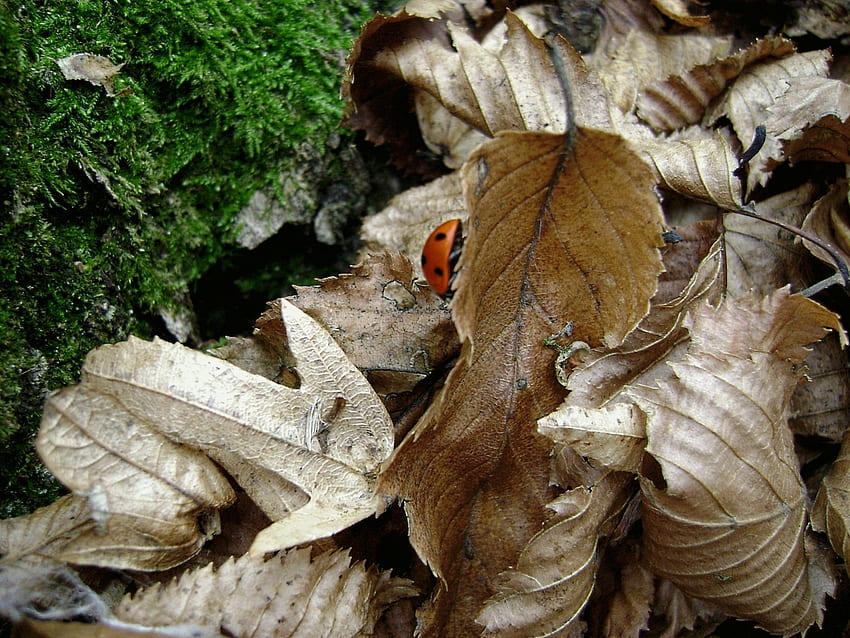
pixel 812 118
pixel 829 219
pixel 820 406
pixel 831 511
pixel 746 102
pixel 556 570
pixel 152 502
pixel 542 222
pixel 698 163
pixel 724 518
pixel 683 99
pixel 288 596
pixel 148 414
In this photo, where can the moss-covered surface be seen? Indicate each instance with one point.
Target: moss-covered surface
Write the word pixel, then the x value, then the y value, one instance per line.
pixel 114 206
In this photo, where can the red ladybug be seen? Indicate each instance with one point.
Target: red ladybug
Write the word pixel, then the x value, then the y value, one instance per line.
pixel 440 255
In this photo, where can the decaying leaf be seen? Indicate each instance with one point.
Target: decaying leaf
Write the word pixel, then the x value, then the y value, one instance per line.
pixel 541 224
pixel 724 516
pixel 288 595
pixel 96 69
pixel 831 511
pixel 146 414
pixel 820 406
pixel 829 219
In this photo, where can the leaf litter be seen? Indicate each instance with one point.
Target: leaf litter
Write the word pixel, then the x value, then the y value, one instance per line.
pixel 625 420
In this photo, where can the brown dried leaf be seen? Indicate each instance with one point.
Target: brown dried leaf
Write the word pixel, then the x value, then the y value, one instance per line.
pixel 831 511
pixel 542 223
pixel 642 57
pixel 393 329
pixel 96 69
pixel 288 595
pixel 819 406
pixel 726 522
pixel 683 99
pixel 556 571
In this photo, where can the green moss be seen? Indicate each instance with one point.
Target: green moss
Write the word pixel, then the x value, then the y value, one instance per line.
pixel 113 205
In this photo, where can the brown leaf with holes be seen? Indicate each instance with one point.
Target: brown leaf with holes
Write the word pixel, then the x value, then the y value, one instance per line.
pixel 541 223
pixel 724 505
pixel 288 595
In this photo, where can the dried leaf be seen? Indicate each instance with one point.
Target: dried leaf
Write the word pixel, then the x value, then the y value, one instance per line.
pixel 152 501
pixel 678 10
pixel 146 414
pixel 812 118
pixel 726 522
pixel 831 511
pixel 96 69
pixel 556 570
pixel 819 406
pixel 683 99
pixel 394 330
pixel 542 224
pixel 407 220
pixel 699 164
pixel 288 595
pixel 761 257
pixel 829 219
pixel 747 102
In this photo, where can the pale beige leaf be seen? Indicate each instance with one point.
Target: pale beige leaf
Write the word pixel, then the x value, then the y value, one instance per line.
pixel 724 518
pixel 170 404
pixel 612 436
pixel 147 495
pixel 555 573
pixel 683 99
pixel 679 10
pixel 450 138
pixel 96 69
pixel 831 511
pixel 698 163
pixel 289 595
pixel 812 119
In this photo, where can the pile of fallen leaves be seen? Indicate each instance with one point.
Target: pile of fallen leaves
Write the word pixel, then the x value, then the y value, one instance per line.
pixel 627 419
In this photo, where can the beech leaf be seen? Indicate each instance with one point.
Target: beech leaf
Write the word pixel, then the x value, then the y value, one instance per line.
pixel 725 520
pixel 542 223
pixel 289 595
pixel 831 511
pixel 308 456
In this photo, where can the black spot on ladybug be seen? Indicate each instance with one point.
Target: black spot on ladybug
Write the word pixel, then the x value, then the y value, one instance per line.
pixel 438 271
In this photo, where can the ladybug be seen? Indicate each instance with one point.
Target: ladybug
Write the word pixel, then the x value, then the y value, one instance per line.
pixel 440 255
